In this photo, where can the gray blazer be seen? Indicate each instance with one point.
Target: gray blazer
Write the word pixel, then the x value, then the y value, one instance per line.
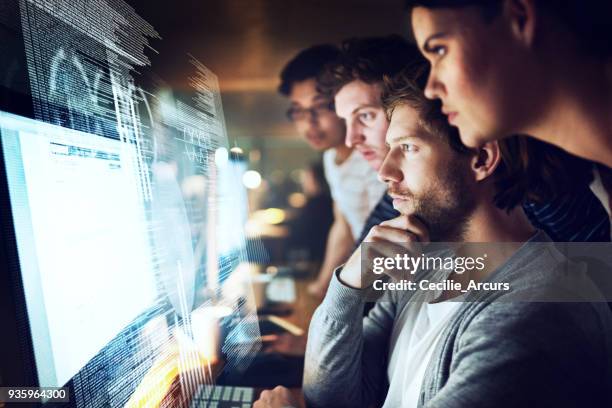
pixel 495 352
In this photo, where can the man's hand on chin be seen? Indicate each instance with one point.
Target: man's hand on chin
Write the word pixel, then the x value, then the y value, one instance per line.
pixel 405 233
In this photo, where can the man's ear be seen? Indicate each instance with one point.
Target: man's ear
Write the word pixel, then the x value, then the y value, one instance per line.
pixel 522 16
pixel 486 160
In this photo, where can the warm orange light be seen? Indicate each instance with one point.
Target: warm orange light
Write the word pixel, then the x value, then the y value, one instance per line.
pixel 297 200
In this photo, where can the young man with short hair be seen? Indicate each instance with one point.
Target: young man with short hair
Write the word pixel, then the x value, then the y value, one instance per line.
pixel 567 210
pixel 439 353
pixel 355 81
pixel 354 186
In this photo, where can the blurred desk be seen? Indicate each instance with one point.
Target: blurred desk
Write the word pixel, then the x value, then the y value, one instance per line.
pixel 288 348
pixel 263 231
pixel 304 306
pixel 303 309
pixel 177 395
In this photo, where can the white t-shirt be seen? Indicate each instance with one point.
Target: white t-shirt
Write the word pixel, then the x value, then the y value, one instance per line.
pixel 413 340
pixel 354 187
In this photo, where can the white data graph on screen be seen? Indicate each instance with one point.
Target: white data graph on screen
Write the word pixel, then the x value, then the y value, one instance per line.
pixel 91 241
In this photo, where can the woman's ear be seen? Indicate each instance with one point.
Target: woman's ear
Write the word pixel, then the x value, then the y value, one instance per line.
pixel 486 160
pixel 522 16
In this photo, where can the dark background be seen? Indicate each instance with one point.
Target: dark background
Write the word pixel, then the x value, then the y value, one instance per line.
pixel 247 42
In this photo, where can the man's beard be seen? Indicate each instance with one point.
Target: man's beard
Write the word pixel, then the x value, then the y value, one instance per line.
pixel 446 207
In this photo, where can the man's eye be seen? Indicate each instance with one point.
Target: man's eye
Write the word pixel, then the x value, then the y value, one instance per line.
pixel 366 116
pixel 408 148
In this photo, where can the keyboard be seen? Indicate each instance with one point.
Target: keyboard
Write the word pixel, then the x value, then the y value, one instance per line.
pixel 222 396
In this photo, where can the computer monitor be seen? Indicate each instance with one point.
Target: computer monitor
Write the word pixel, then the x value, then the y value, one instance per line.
pixel 232 212
pixel 107 256
pixel 81 231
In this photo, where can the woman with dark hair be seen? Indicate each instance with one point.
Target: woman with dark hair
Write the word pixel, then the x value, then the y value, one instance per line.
pixel 533 67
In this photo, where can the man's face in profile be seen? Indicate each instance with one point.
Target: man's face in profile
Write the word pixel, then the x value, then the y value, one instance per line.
pixel 426 177
pixel 359 104
pixel 314 117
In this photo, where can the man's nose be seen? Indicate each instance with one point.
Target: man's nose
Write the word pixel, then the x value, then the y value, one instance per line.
pixel 390 171
pixel 313 118
pixel 354 135
pixel 312 122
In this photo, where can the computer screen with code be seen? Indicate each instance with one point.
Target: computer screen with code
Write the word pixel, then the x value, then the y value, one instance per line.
pixel 123 211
